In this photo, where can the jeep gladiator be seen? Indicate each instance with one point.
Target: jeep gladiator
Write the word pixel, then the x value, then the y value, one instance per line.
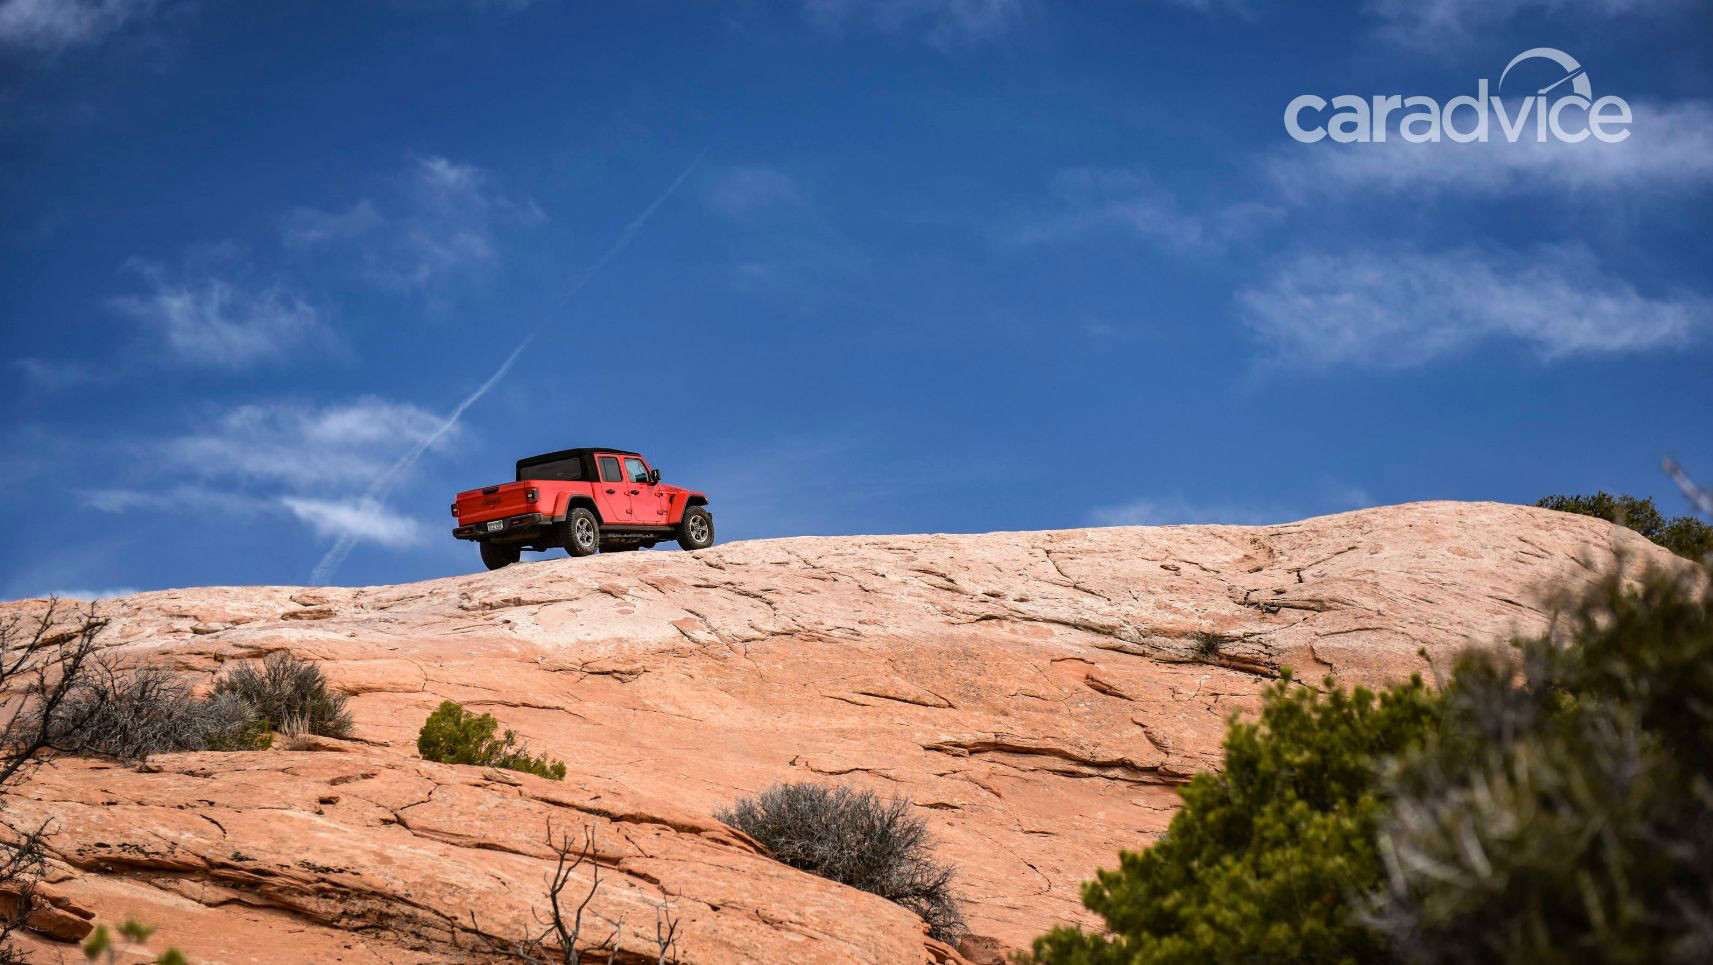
pixel 584 500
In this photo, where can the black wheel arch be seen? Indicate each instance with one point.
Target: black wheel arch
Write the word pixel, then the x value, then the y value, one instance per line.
pixel 586 503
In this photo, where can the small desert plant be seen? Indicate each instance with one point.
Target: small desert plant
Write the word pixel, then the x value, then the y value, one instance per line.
pixel 254 734
pixel 100 943
pixel 453 735
pixel 560 937
pixel 285 688
pixel 130 713
pixel 857 839
pixel 44 661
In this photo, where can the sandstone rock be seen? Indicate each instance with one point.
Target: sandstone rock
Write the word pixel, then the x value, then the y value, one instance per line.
pixel 52 914
pixel 1038 695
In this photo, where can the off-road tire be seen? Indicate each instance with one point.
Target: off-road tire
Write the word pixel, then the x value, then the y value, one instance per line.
pixel 496 555
pixel 580 534
pixel 696 529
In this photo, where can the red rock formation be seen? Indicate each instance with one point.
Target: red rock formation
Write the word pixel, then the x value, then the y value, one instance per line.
pixel 1038 695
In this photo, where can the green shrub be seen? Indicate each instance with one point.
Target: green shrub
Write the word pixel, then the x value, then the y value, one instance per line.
pixel 856 839
pixel 453 735
pixel 1565 812
pixel 1264 858
pixel 100 943
pixel 254 734
pixel 1552 803
pixel 290 692
pixel 1684 535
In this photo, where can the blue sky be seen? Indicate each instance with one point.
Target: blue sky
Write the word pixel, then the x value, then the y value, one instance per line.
pixel 849 266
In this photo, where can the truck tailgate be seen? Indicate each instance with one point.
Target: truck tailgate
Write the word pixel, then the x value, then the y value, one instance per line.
pixel 494 502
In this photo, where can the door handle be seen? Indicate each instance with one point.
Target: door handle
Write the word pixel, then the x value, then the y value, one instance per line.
pixel 611 491
pixel 635 491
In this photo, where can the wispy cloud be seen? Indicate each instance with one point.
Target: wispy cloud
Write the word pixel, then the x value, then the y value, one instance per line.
pixel 782 242
pixel 942 23
pixel 1432 23
pixel 1326 494
pixel 49 26
pixel 77 593
pixel 744 189
pixel 1173 511
pixel 306 462
pixel 441 223
pixel 306 227
pixel 363 520
pixel 53 375
pixel 185 497
pixel 202 317
pixel 301 446
pixel 1670 147
pixel 1399 309
pixel 1091 200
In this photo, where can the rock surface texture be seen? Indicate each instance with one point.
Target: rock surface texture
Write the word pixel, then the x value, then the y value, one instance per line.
pixel 1039 696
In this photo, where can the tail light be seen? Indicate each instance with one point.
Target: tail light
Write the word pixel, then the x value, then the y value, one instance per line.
pixel 529 495
pixel 454 509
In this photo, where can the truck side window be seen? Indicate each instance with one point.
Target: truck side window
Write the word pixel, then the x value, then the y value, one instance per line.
pixel 610 469
pixel 636 470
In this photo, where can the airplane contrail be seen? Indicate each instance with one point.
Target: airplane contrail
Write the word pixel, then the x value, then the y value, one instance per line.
pixel 629 233
pixel 384 483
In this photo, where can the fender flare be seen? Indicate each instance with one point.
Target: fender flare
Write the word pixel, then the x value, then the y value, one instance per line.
pixel 563 505
pixel 680 502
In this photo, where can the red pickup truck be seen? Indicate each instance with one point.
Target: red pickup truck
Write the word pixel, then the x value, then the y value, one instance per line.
pixel 584 500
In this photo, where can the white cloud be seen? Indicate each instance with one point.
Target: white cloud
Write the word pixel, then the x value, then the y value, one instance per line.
pixel 1428 23
pixel 363 519
pixel 206 319
pixel 308 226
pixel 1172 512
pixel 1088 200
pixel 443 223
pixel 744 189
pixel 50 26
pixel 53 375
pixel 303 446
pixel 1393 310
pixel 81 594
pixel 1670 147
pixel 942 23
pixel 181 498
pixel 311 463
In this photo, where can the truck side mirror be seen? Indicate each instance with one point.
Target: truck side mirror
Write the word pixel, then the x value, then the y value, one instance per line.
pixel 653 476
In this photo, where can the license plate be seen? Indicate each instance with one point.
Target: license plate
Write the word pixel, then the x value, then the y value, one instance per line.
pixel 496 525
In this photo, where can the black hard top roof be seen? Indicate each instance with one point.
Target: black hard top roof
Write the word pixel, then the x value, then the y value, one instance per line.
pixel 573 454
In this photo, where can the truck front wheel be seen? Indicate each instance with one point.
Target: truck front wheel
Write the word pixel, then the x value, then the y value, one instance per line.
pixel 581 532
pixel 696 529
pixel 496 555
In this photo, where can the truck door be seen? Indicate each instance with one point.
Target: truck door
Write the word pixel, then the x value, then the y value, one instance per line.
pixel 612 493
pixel 647 506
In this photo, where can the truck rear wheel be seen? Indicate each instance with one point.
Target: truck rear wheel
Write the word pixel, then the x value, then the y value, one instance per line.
pixel 581 532
pixel 696 529
pixel 496 555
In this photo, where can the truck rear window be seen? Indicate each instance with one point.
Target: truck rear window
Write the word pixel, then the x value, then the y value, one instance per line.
pixel 567 470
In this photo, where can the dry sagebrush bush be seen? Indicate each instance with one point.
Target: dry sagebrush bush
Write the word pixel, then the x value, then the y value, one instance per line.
pixel 857 839
pixel 285 688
